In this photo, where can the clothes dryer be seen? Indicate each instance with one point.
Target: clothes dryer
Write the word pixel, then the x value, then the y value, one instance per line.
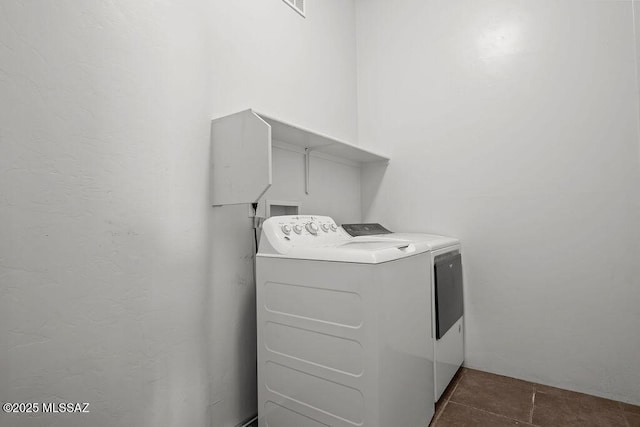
pixel 447 307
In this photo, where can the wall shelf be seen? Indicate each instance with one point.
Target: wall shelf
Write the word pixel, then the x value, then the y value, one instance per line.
pixel 241 156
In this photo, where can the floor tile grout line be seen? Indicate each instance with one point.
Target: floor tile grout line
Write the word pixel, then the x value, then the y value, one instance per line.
pixel 624 414
pixel 446 402
pixel 484 410
pixel 624 417
pixel 448 399
pixel 578 398
pixel 444 406
pixel 492 413
pixel 533 404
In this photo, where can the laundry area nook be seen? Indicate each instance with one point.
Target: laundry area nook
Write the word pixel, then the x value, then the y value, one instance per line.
pixel 320 213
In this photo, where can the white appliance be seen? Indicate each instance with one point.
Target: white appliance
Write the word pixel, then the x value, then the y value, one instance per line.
pixel 447 304
pixel 344 327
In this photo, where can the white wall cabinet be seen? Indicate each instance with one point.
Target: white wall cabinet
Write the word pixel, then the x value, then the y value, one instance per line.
pixel 241 154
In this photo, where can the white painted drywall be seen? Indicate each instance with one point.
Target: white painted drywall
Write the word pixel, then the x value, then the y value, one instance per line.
pixel 302 71
pixel 119 284
pixel 334 185
pixel 104 136
pixel 513 125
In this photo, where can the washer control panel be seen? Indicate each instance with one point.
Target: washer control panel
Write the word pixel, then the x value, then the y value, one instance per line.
pixel 301 230
pixel 304 225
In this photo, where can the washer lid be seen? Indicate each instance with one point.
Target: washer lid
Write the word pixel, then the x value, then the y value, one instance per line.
pixel 365 252
pixel 433 240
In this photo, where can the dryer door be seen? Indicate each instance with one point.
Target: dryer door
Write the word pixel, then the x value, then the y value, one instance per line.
pixel 448 291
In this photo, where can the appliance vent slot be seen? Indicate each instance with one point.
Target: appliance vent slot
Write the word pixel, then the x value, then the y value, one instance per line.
pixel 297 5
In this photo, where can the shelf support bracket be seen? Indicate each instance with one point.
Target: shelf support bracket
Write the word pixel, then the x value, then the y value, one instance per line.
pixel 307 152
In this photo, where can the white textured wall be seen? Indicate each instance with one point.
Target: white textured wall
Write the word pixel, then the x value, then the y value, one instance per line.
pixel 334 185
pixel 302 71
pixel 104 139
pixel 513 125
pixel 119 284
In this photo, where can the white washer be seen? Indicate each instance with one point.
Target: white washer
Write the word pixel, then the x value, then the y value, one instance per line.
pixel 445 255
pixel 344 327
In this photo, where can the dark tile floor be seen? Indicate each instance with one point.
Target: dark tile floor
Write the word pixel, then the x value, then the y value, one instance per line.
pixel 478 399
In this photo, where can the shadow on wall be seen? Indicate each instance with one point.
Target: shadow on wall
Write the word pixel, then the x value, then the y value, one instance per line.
pixel 231 320
pixel 371 177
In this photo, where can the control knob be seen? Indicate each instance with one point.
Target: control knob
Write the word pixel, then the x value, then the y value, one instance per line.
pixel 286 229
pixel 325 227
pixel 312 228
pixel 297 228
pixel 334 227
